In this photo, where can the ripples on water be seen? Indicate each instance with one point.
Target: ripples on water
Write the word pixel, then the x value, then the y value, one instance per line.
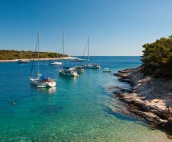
pixel 77 109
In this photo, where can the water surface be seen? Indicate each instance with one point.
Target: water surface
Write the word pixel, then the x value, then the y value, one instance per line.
pixel 76 110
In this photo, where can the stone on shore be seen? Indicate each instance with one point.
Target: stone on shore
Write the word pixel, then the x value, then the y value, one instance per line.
pixel 148 96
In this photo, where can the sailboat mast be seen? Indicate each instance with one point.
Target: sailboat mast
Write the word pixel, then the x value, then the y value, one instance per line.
pixel 63 44
pixel 88 50
pixel 38 52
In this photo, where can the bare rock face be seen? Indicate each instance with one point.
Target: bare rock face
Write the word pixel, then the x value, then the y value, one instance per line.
pixel 168 125
pixel 148 96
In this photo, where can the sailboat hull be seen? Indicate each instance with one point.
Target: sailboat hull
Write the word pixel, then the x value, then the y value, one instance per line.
pixel 42 83
pixel 68 72
pixel 56 63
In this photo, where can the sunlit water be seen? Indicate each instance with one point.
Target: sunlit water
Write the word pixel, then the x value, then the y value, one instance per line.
pixel 76 110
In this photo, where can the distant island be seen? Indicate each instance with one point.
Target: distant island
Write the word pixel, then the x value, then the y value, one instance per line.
pixel 14 54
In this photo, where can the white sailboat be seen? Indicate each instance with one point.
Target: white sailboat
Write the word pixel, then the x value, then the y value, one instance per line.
pixel 41 80
pixel 67 71
pixel 90 65
pixel 22 60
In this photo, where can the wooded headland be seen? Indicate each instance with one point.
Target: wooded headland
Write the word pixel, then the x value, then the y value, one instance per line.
pixel 14 54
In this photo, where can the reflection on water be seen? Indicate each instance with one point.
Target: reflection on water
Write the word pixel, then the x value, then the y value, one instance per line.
pixel 50 91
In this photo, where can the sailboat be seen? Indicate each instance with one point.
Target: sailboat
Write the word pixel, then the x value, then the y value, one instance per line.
pixel 67 71
pixel 21 60
pixel 90 65
pixel 41 80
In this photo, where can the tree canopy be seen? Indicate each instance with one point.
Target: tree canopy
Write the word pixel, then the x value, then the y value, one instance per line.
pixel 13 54
pixel 157 57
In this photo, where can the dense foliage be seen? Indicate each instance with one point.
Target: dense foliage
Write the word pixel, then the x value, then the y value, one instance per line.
pixel 157 58
pixel 12 54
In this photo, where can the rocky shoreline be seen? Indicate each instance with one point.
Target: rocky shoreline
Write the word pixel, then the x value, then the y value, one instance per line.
pixel 148 97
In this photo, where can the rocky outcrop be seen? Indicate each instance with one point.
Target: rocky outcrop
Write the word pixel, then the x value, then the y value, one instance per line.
pixel 148 97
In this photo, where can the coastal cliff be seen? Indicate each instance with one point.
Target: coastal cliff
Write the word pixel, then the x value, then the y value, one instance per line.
pixel 149 97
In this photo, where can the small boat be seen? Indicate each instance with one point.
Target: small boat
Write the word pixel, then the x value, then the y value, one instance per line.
pixel 106 70
pixel 67 71
pixel 41 80
pixel 22 60
pixel 91 66
pixel 79 69
pixel 55 63
pixel 77 60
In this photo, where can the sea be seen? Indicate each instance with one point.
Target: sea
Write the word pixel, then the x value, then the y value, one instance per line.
pixel 80 109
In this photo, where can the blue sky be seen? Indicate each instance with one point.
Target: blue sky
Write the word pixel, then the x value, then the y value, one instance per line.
pixel 115 27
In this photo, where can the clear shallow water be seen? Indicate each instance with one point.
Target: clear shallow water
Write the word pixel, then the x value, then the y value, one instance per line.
pixel 76 110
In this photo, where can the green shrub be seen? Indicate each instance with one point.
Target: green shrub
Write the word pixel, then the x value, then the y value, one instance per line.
pixel 157 57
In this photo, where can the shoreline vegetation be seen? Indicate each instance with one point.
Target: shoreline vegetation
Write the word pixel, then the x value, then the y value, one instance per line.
pixel 150 95
pixel 42 59
pixel 14 56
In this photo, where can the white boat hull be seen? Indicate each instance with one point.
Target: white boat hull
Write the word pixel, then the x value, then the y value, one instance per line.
pixel 68 72
pixel 56 63
pixel 23 61
pixel 91 66
pixel 41 83
pixel 77 60
pixel 106 70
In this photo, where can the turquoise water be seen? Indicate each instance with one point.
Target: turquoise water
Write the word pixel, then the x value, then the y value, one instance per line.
pixel 76 110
